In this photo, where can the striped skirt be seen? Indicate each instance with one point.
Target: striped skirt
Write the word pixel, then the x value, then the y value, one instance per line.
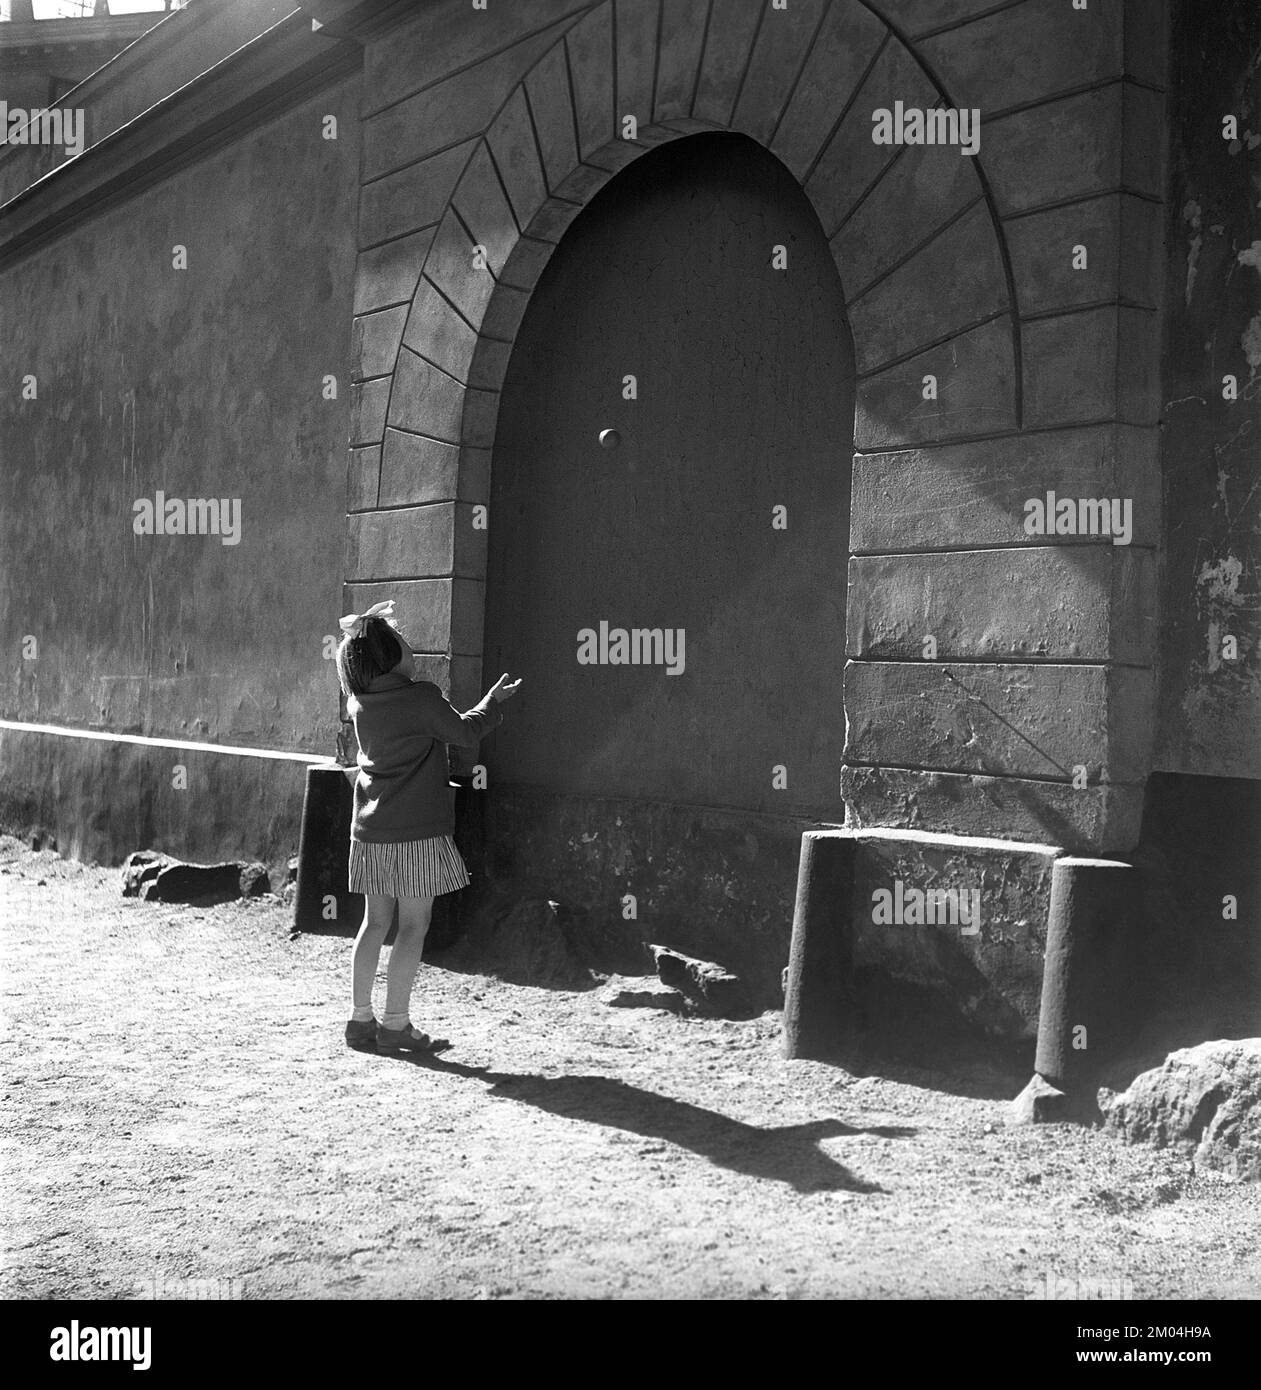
pixel 412 869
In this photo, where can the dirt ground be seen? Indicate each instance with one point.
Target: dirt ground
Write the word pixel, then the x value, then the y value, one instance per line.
pixel 180 1105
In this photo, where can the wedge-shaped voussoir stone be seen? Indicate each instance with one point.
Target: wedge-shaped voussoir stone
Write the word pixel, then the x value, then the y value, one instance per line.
pixel 511 141
pixel 777 57
pixel 907 309
pixel 425 400
pixel 1027 53
pixel 483 207
pixel 387 275
pixel 962 387
pixel 850 38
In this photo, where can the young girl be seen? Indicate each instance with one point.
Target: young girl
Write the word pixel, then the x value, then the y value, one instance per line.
pixel 401 850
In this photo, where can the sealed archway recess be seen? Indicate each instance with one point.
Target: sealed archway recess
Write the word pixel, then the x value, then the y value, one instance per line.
pixel 694 308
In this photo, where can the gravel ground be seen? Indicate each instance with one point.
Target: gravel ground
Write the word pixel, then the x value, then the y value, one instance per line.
pixel 181 1106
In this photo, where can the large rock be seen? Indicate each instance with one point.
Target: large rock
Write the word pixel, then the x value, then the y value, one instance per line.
pixel 642 992
pixel 194 883
pixel 1205 1100
pixel 159 878
pixel 142 867
pixel 710 985
pixel 255 881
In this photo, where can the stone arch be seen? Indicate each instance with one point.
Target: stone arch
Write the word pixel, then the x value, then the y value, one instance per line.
pixel 937 301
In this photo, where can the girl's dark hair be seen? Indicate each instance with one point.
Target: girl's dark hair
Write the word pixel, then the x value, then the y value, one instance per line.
pixel 376 650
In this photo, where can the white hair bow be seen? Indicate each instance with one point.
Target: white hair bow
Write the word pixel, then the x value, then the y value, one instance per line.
pixel 352 623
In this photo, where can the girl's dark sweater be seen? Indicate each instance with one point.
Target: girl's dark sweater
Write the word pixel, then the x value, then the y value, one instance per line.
pixel 403 727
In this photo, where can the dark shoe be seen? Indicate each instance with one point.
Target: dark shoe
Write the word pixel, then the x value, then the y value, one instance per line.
pixel 409 1039
pixel 362 1036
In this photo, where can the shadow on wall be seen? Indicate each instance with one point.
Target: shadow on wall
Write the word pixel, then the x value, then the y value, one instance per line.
pixel 1201 971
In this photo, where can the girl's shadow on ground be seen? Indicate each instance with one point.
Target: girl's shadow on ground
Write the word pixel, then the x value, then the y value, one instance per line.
pixel 786 1154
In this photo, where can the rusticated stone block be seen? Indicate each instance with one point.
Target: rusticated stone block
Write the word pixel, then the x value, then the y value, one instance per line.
pixel 449 35
pixel 1078 603
pixel 547 88
pixel 1017 720
pixel 422 608
pixel 1077 146
pixel 976 392
pixel 449 111
pixel 777 57
pixel 474 475
pixel 363 480
pixel 636 58
pixel 583 183
pixel 1144 123
pixel 1068 148
pixel 552 220
pixel 511 141
pixel 1121 237
pixel 1147 41
pixel 732 25
pixel 489 365
pixel 850 38
pixel 480 201
pixel 367 410
pixel 417 470
pixel 481 412
pixel 375 340
pixel 907 310
pixel 418 542
pixel 916 17
pixel 503 316
pixel 468 607
pixel 922 189
pixel 1098 817
pixel 387 275
pixel 411 198
pixel 422 542
pixel 526 263
pixel 454 269
pixel 436 332
pixel 1093 365
pixel 590 45
pixel 962 495
pixel 679 56
pixel 1027 53
pixel 853 161
pixel 425 400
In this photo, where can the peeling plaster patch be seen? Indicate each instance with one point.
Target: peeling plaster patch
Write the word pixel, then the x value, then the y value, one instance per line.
pixel 1191 216
pixel 1252 256
pixel 1218 590
pixel 1250 341
pixel 1221 578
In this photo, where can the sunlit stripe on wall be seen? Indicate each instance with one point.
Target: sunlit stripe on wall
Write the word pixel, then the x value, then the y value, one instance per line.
pixel 276 754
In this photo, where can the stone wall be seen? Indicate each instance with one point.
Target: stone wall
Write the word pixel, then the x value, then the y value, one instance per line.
pixel 227 379
pixel 491 129
pixel 1210 699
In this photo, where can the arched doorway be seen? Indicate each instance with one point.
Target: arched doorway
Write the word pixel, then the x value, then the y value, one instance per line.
pixel 702 273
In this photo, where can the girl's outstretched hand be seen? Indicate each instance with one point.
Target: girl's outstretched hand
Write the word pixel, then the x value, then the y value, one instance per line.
pixel 503 689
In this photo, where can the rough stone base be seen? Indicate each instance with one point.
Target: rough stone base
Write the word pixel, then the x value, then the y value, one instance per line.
pixel 714 884
pixel 993 975
pixel 1103 818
